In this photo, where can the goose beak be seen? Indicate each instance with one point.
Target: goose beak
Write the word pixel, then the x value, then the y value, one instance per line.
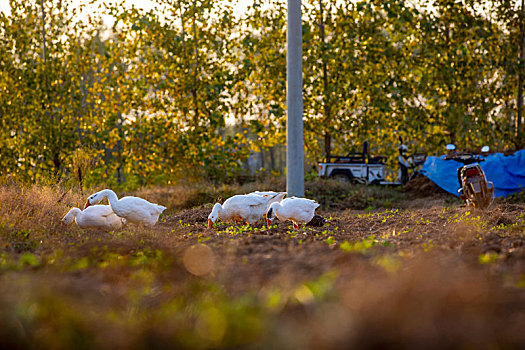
pixel 87 204
pixel 210 223
pixel 268 222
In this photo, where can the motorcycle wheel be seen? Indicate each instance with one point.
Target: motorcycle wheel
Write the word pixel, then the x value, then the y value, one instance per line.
pixel 487 195
pixel 478 200
pixel 481 200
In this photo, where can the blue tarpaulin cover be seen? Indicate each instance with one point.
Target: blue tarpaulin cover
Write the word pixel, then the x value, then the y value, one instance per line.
pixel 506 172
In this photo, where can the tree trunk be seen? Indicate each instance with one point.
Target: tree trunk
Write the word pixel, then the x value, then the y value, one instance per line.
pixel 272 158
pixel 80 182
pixel 194 89
pixel 43 29
pixel 328 146
pixel 57 163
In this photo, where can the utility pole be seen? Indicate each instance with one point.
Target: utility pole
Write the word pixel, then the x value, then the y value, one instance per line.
pixel 294 102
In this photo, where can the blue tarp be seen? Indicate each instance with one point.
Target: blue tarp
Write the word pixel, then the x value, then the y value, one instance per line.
pixel 506 172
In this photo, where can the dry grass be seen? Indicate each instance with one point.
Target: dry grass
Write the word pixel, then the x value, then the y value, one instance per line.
pixel 434 275
pixel 35 207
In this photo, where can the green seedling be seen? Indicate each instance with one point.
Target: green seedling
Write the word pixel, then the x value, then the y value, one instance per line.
pixel 488 258
pixel 330 240
pixel 359 246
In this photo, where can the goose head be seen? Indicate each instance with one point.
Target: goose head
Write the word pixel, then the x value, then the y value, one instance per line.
pixel 93 199
pixel 69 217
pixel 214 215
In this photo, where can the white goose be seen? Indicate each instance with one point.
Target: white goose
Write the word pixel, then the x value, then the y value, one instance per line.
pixel 298 210
pixel 243 207
pixel 133 209
pixel 95 217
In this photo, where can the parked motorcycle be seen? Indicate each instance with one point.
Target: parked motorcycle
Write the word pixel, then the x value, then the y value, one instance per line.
pixel 474 188
pixel 407 162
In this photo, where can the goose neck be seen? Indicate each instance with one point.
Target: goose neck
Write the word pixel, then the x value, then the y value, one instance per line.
pixel 273 207
pixel 217 209
pixel 111 196
pixel 75 212
pixel 276 205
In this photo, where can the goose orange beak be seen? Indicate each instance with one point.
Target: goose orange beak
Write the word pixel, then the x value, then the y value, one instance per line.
pixel 87 204
pixel 268 222
pixel 210 223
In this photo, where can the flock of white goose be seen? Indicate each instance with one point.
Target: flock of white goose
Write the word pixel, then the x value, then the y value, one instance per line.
pixel 250 208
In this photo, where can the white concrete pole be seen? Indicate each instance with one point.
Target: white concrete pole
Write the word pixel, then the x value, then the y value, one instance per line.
pixel 294 102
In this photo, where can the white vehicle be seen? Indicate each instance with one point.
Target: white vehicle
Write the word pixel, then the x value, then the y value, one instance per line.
pixel 355 167
pixel 366 169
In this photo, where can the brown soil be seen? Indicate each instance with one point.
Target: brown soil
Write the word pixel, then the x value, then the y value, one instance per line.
pixel 422 186
pixel 458 229
pixel 420 284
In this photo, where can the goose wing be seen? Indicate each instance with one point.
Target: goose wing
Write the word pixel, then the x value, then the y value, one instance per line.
pixel 242 201
pixel 133 205
pixel 244 206
pixel 299 208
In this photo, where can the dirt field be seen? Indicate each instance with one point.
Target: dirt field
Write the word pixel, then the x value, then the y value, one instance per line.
pixel 422 271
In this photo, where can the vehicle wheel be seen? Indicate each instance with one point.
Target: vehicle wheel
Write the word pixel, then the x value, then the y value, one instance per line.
pixel 479 201
pixel 486 197
pixel 341 177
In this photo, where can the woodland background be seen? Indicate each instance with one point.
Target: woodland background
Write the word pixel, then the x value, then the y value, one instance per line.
pixel 189 90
